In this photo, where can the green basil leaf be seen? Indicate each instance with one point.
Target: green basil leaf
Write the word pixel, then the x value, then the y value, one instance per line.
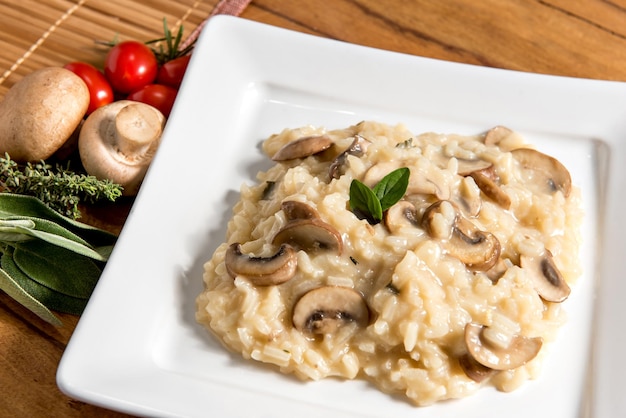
pixel 57 268
pixel 364 203
pixel 13 289
pixel 50 298
pixel 392 187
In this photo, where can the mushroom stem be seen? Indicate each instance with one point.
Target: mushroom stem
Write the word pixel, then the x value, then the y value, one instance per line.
pixel 137 127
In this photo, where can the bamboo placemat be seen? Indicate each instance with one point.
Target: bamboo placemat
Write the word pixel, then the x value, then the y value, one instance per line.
pixel 39 33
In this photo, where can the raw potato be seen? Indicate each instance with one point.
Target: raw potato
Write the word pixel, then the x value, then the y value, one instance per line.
pixel 40 112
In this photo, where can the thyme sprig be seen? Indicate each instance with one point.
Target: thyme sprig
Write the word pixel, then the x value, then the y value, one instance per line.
pixel 58 187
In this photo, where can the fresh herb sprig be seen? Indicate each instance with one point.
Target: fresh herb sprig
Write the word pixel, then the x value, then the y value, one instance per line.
pixel 171 50
pixel 369 204
pixel 58 187
pixel 48 261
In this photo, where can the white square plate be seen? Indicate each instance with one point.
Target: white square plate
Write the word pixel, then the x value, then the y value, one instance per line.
pixel 137 347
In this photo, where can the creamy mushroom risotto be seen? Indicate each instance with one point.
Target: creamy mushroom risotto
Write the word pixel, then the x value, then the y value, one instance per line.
pixel 429 264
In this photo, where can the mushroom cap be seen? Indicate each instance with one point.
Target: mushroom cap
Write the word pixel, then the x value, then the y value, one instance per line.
pixel 40 112
pixel 478 250
pixel 262 271
pixel 119 140
pixel 466 167
pixel 546 277
pixel 497 134
pixel 520 350
pixel 298 210
pixel 474 370
pixel 543 170
pixel 303 147
pixel 486 181
pixel 309 235
pixel 358 147
pixel 324 309
pixel 401 215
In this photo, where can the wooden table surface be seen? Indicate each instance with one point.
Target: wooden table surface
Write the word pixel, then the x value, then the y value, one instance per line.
pixel 578 38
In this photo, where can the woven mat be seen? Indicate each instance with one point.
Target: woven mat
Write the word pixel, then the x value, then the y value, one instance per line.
pixel 39 33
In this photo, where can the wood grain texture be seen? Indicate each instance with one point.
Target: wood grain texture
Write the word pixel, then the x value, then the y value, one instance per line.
pixel 577 38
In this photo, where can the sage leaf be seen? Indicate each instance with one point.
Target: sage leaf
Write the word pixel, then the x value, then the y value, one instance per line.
pixel 9 232
pixel 57 268
pixel 17 205
pixel 65 243
pixel 364 203
pixel 392 187
pixel 50 298
pixel 13 289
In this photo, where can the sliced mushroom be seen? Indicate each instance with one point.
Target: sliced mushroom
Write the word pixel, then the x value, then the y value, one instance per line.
pixel 497 134
pixel 546 172
pixel 519 351
pixel 474 370
pixel 262 271
pixel 468 197
pixel 324 309
pixel 358 147
pixel 491 189
pixel 309 235
pixel 303 147
pixel 401 215
pixel 298 210
pixel 498 269
pixel 466 167
pixel 478 250
pixel 546 277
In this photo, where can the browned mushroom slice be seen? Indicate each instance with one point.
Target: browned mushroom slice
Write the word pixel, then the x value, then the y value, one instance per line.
pixel 497 270
pixel 309 235
pixel 546 277
pixel 298 210
pixel 474 370
pixel 401 215
pixel 262 271
pixel 303 147
pixel 546 172
pixel 497 134
pixel 478 250
pixel 486 180
pixel 325 309
pixel 518 352
pixel 358 147
pixel 466 167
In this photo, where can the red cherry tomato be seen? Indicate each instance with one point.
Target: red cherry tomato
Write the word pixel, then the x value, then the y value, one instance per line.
pixel 171 73
pixel 157 95
pixel 129 66
pixel 100 91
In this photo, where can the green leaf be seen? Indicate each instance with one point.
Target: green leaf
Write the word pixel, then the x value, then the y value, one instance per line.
pixel 63 242
pixel 13 289
pixel 370 204
pixel 392 187
pixel 50 298
pixel 57 268
pixel 364 203
pixel 15 206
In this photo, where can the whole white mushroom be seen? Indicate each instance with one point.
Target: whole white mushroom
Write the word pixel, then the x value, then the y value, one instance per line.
pixel 119 140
